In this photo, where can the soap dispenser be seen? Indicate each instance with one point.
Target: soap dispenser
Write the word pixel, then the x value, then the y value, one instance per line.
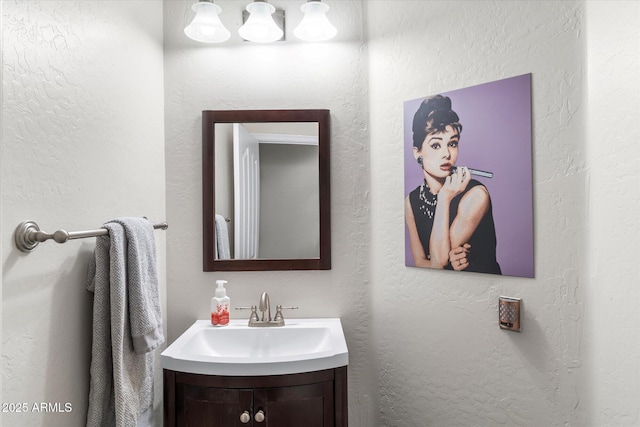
pixel 220 305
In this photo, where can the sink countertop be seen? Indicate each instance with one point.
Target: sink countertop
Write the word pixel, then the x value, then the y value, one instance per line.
pixel 302 345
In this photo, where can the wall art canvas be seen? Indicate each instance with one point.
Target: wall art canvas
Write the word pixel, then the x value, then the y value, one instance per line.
pixel 468 179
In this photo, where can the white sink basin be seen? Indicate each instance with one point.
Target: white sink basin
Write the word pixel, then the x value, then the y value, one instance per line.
pixel 302 345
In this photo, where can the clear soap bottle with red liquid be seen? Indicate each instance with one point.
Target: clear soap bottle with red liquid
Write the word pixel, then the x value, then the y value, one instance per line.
pixel 220 305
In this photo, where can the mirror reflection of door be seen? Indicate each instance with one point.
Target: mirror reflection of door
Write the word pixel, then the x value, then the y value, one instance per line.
pixel 273 198
pixel 246 190
pixel 289 206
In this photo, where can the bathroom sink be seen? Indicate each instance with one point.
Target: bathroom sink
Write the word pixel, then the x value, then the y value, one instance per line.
pixel 302 345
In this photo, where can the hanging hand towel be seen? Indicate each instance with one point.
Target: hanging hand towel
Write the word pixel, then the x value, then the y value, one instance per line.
pixel 222 238
pixel 127 323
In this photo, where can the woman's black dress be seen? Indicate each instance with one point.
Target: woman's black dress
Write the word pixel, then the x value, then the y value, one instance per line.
pixel 482 255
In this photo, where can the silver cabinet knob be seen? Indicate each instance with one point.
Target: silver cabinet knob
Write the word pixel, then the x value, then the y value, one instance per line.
pixel 259 416
pixel 245 417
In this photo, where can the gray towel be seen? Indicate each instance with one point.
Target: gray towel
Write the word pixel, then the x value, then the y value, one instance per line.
pixel 127 323
pixel 222 238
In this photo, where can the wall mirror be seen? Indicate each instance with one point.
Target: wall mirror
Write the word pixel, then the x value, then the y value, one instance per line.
pixel 266 190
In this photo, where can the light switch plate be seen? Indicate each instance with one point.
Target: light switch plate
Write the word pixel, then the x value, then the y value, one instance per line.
pixel 509 310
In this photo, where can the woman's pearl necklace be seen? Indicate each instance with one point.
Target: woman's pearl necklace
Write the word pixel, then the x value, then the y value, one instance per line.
pixel 429 200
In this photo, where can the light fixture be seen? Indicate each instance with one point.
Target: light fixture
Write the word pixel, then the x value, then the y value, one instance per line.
pixel 206 26
pixel 315 25
pixel 260 27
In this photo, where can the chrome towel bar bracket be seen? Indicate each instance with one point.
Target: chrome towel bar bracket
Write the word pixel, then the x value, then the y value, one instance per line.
pixel 28 235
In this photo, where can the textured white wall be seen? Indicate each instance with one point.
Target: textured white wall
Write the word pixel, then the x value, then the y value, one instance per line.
pixel 238 75
pixel 612 320
pixel 82 142
pixel 441 357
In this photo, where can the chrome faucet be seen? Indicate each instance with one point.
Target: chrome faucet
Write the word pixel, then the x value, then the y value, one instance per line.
pixel 265 309
pixel 265 305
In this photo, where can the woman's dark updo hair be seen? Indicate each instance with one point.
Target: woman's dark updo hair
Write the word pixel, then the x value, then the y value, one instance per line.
pixel 433 116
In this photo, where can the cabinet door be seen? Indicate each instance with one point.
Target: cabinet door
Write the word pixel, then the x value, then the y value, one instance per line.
pixel 296 406
pixel 211 407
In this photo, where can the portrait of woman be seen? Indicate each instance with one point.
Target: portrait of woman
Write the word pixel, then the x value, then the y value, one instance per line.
pixel 456 216
pixel 449 215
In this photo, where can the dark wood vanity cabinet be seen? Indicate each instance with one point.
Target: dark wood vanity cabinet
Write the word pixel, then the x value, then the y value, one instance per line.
pixel 313 399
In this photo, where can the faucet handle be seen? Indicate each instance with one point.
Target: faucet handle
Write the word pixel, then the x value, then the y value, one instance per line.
pixel 279 309
pixel 254 314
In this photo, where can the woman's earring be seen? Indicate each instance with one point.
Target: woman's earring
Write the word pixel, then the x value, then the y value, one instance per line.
pixel 419 160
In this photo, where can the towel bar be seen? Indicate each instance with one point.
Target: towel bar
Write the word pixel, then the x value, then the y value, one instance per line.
pixel 28 235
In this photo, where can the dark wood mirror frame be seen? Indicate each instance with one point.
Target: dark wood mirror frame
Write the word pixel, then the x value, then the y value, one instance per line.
pixel 209 120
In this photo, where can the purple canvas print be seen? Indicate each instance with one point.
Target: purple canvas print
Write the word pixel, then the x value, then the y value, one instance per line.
pixel 456 216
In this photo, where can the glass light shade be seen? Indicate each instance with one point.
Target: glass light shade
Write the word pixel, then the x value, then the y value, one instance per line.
pixel 315 25
pixel 260 27
pixel 206 26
